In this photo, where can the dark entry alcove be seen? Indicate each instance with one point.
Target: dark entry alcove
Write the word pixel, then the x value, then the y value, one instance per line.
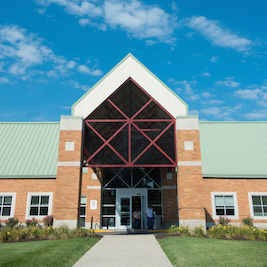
pixel 129 129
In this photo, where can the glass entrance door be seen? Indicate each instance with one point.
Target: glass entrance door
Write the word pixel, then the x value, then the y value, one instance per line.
pixel 126 211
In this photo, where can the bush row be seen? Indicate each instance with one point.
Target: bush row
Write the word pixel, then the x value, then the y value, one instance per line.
pixel 223 232
pixel 8 234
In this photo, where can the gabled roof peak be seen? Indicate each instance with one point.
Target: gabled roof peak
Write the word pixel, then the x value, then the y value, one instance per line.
pixel 129 67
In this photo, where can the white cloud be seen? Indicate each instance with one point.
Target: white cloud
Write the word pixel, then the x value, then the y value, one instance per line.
pixel 262 103
pixel 212 102
pixel 22 53
pixel 84 22
pixel 76 85
pixel 228 82
pixel 193 112
pixel 206 74
pixel 248 94
pixel 83 69
pixel 214 59
pixel 257 115
pixel 206 94
pixel 211 111
pixel 135 17
pixel 194 97
pixel 96 72
pixel 4 80
pixel 223 112
pixel 219 36
pixel 187 85
pixel 71 64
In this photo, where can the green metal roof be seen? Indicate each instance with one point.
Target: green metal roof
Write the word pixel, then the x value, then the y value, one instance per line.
pixel 29 150
pixel 234 149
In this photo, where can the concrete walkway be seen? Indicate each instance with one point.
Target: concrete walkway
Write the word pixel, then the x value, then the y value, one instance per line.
pixel 125 250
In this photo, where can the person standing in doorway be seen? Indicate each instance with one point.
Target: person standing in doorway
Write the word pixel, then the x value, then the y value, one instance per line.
pixel 137 218
pixel 149 217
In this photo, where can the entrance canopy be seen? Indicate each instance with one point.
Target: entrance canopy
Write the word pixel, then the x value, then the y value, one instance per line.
pixel 129 129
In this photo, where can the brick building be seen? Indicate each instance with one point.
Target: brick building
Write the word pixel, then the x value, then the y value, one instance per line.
pixel 128 143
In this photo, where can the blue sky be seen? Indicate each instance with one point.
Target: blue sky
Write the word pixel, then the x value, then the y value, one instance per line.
pixel 211 53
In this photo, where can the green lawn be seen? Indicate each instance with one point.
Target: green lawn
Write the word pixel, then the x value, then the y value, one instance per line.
pixel 191 251
pixel 44 253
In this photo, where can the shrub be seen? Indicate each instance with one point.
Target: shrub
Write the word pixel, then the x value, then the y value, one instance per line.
pixel 12 222
pixel 248 221
pixel 199 232
pixel 32 222
pixel 48 220
pixel 223 220
pixel 183 231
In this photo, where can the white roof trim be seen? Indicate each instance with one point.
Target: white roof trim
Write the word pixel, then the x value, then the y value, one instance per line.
pixel 129 67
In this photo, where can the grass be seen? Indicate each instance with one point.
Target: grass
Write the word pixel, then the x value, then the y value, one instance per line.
pixel 44 253
pixel 191 251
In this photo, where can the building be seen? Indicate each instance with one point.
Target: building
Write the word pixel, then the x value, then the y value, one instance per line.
pixel 130 142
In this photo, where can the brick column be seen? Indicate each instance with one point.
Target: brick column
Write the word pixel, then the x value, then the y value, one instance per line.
pixel 189 177
pixel 68 182
pixel 169 190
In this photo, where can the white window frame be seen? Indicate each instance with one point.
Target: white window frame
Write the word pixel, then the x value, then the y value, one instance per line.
pixel 84 205
pixel 12 211
pixel 30 194
pixel 250 194
pixel 217 217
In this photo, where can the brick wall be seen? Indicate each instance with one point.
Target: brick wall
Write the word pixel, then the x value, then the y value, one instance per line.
pixel 189 177
pixel 22 187
pixel 67 197
pixel 240 186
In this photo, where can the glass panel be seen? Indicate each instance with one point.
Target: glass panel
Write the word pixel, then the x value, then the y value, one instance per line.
pixel 44 200
pixel 219 211
pixel 125 202
pixel 109 197
pixel 230 211
pixel 33 211
pixel 265 211
pixel 154 197
pixel 256 200
pixel 125 219
pixel 157 209
pixel 219 201
pixel 82 211
pixel 264 200
pixel 35 200
pixel 229 200
pixel 82 221
pixel 108 210
pixel 43 211
pixel 125 209
pixel 6 211
pixel 7 200
pixel 109 220
pixel 1 200
pixel 257 211
pixel 83 200
pixel 0 211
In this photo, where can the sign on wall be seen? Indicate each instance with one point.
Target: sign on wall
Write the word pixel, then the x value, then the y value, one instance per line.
pixel 93 204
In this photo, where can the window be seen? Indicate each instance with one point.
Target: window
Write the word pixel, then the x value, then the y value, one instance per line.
pixel 82 211
pixel 258 205
pixel 224 204
pixel 7 205
pixel 39 205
